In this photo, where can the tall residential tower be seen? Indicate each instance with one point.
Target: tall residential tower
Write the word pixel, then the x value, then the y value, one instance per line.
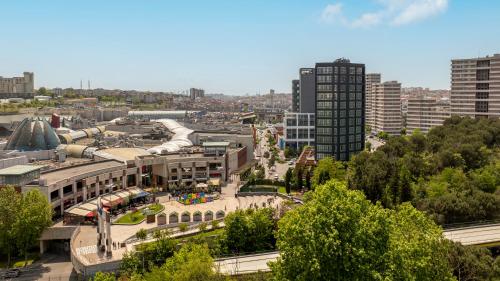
pixel 340 109
pixel 475 87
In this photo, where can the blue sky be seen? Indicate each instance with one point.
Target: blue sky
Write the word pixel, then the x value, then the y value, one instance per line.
pixel 239 46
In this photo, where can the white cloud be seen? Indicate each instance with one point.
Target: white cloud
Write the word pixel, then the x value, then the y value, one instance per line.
pixel 367 20
pixel 419 10
pixel 332 13
pixel 394 12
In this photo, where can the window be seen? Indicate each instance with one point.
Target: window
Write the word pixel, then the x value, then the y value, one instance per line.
pixel 352 105
pixel 481 106
pixel 482 95
pixel 303 133
pixel 324 88
pixel 324 113
pixel 291 122
pixel 324 131
pixel 342 147
pixel 352 79
pixel 482 86
pixel 291 133
pixel 343 70
pixel 483 63
pixel 302 120
pixel 324 148
pixel 343 104
pixel 342 113
pixel 324 78
pixel 325 122
pixel 324 105
pixel 359 71
pixel 343 78
pixel 352 70
pixel 324 70
pixel 482 74
pixel 325 96
pixel 352 88
pixel 324 139
pixel 352 96
pixel 359 96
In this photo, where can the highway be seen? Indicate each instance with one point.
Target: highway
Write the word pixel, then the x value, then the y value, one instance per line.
pixel 246 264
pixel 486 235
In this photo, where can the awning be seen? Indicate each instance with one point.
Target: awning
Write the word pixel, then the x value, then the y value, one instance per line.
pixel 79 212
pixel 202 185
pixel 141 194
pixel 215 182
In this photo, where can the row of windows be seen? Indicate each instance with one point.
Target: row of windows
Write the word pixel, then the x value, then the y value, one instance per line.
pixel 325 148
pixel 343 70
pixel 342 139
pixel 358 96
pixel 324 105
pixel 342 131
pixel 342 113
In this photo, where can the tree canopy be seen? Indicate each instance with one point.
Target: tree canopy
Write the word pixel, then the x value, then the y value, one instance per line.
pixel 338 234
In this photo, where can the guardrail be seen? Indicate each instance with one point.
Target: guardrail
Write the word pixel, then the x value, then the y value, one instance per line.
pixel 470 224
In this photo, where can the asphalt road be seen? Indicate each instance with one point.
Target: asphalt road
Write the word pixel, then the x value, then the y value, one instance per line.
pixel 246 264
pixel 52 267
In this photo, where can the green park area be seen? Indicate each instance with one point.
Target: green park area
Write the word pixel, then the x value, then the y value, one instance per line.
pixel 139 215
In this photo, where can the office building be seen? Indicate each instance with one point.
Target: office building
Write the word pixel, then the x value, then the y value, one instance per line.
pixel 307 90
pixel 298 129
pixel 475 87
pixel 17 87
pixel 425 112
pixel 340 109
pixel 386 107
pixel 371 78
pixel 296 95
pixel 196 93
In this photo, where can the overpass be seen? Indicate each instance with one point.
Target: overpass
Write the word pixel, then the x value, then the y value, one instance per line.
pixel 486 235
pixel 246 264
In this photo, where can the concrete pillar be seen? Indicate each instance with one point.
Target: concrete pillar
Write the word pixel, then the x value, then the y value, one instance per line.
pixel 138 178
pixel 85 191
pixel 61 195
pixel 97 187
pixel 124 181
pixel 43 246
pixel 75 191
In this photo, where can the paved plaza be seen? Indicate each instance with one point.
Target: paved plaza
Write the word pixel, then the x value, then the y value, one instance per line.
pixel 85 242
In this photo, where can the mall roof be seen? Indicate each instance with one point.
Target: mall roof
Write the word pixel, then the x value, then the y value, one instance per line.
pixel 215 143
pixel 19 170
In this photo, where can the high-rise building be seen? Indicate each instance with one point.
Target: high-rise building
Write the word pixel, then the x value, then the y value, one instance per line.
pixel 307 90
pixel 17 86
pixel 196 93
pixel 295 95
pixel 371 78
pixel 475 87
pixel 425 112
pixel 340 109
pixel 298 129
pixel 386 107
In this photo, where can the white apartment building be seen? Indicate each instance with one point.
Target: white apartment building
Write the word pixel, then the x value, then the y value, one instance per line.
pixel 386 107
pixel 425 112
pixel 371 78
pixel 475 87
pixel 298 129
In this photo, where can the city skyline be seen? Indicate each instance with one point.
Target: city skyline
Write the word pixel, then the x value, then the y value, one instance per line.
pixel 240 48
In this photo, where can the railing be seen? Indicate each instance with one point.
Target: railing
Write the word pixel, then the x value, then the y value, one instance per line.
pixel 470 224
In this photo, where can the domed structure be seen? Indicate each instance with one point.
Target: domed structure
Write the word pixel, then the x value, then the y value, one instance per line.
pixel 33 133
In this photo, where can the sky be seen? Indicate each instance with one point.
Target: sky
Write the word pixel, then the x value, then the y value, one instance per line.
pixel 239 46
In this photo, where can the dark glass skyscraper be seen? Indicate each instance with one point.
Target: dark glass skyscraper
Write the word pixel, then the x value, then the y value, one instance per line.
pixel 340 109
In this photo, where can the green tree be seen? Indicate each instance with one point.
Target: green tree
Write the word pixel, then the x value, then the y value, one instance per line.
pixel 34 216
pixel 10 205
pixel 299 183
pixel 308 180
pixel 202 226
pixel 326 170
pixel 236 231
pixel 183 227
pixel 288 180
pixel 338 233
pixel 104 276
pixel 215 224
pixel 141 234
pixel 471 263
pixel 191 263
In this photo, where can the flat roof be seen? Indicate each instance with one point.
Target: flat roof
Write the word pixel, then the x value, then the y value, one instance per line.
pixel 19 170
pixel 215 143
pixel 64 173
pixel 122 153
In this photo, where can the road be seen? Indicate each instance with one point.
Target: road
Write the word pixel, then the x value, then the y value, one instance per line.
pixel 246 264
pixel 280 168
pixel 475 235
pixel 49 267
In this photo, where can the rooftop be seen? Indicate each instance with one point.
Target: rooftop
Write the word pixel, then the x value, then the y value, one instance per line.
pixel 215 143
pixel 122 153
pixel 19 170
pixel 90 167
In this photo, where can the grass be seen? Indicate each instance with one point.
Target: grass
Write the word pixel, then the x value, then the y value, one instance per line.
pixel 138 216
pixel 282 189
pixel 19 261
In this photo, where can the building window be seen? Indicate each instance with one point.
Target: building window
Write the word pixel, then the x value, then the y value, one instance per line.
pixel 482 95
pixel 324 70
pixel 324 78
pixel 482 86
pixel 481 106
pixel 483 74
pixel 325 122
